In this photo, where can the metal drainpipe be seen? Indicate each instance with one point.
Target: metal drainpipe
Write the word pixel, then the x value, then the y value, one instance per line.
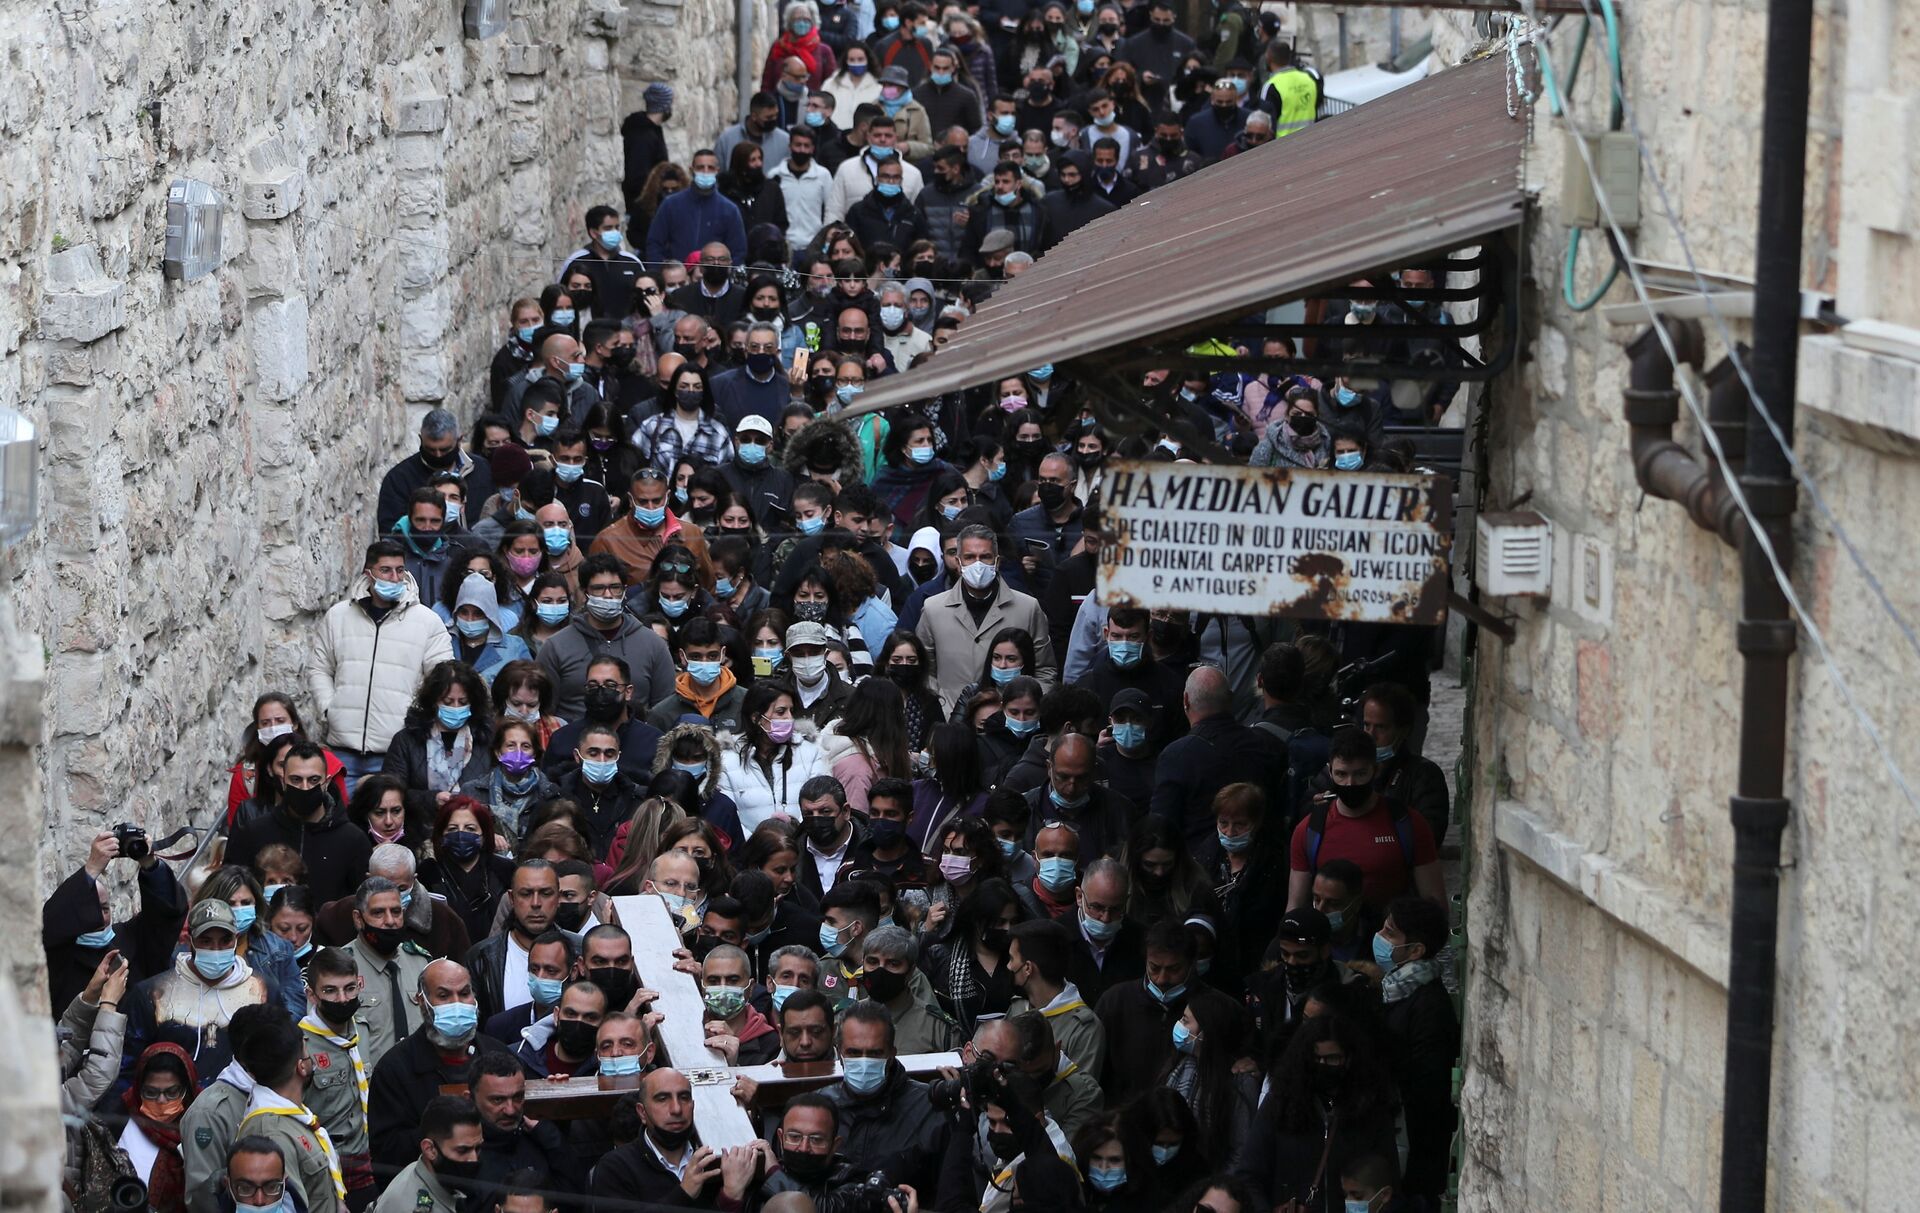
pixel 1766 632
pixel 743 53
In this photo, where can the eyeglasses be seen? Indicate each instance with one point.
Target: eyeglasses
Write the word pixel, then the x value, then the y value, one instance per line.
pixel 813 1141
pixel 162 1094
pixel 680 567
pixel 246 1190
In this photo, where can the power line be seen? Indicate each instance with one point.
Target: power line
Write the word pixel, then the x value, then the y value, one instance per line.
pixel 1712 439
pixel 1740 368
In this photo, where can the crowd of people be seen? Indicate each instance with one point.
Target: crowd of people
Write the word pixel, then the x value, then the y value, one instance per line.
pixel 838 691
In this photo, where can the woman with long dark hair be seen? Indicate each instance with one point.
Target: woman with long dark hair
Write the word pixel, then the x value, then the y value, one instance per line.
pixel 969 968
pixel 1164 880
pixel 1160 1129
pixel 868 740
pixel 1208 1038
pixel 689 403
pixel 908 467
pixel 1010 655
pixel 907 664
pixel 1329 1099
pixel 444 742
pixel 763 772
pixel 955 787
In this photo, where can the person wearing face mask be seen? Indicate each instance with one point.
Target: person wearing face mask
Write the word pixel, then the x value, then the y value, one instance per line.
pixel 512 1141
pixel 762 485
pixel 799 39
pixel 756 390
pixel 443 1146
pixel 1329 1099
pixel 1392 845
pixel 559 372
pixel 689 428
pixel 1108 950
pixel 856 175
pixel 1168 158
pixel 612 268
pixel 311 820
pixel 888 1121
pixel 78 930
pixel 1037 959
pixel 1139 1015
pixel 1392 717
pixel 1005 206
pixel 340 1067
pixel 275 1055
pixel 713 295
pixel 1298 438
pixel 439 451
pixel 1213 127
pixel 1075 204
pixel 436 1055
pixel 164 1082
pixel 1370 1183
pixel 956 626
pixel 191 1005
pixel 734 1026
pixel 1300 961
pixel 705 686
pixel 479 634
pixel 691 218
pixel 251 1178
pixel 949 100
pixel 811 1165
pixel 389 964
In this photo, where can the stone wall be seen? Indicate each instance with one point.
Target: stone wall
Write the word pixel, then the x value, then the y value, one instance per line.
pixel 213 448
pixel 1606 732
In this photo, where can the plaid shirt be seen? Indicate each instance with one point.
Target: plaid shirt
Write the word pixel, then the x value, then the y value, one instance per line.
pixel 658 441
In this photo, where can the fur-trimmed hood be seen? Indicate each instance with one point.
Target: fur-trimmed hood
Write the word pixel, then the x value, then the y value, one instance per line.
pixel 709 745
pixel 825 441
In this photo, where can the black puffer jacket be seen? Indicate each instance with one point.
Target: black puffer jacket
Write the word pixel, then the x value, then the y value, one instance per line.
pixel 897 1130
pixel 334 849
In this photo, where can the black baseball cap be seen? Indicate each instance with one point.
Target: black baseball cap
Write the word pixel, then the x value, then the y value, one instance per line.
pixel 1306 925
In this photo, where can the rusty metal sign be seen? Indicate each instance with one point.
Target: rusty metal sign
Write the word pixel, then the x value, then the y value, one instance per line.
pixel 1315 544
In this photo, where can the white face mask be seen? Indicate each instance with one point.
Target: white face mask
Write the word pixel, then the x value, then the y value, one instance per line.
pixel 979 575
pixel 809 669
pixel 272 731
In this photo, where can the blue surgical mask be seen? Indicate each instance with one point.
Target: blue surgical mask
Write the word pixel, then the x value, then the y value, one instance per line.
pixel 1008 847
pixel 620 1067
pixel 1057 872
pixel 1022 728
pixel 800 28
pixel 103 938
pixel 1239 84
pixel 882 153
pixel 1007 199
pixel 773 657
pixel 1002 675
pixel 705 673
pixel 1003 124
pixel 456 1020
pixel 650 517
pixel 1164 996
pixel 243 919
pixel 610 240
pixel 1383 954
pixel 1083 7
pixel 705 181
pixel 673 608
pixel 545 990
pixel 1129 736
pixel 941 78
pixel 472 629
pixel 454 718
pixel 1125 652
pixel 303 951
pixel 576 371
pixel 1336 919
pixel 949 512
pixel 887 22
pixel 752 453
pixel 830 939
pixel 816 118
pixel 1162 1155
pixel 553 614
pixel 406 899
pixel 920 454
pixel 864 1075
pixel 213 963
pixel 596 771
pixel 724 587
pixel 845 392
pixel 696 769
pixel 1061 802
pixel 556 538
pixel 1349 461
pixel 813 525
pixel 1344 395
pixel 1182 1039
pixel 453 512
pixel 562 316
pixel 1383 753
pixel 525 332
pixel 389 590
pixel 781 994
pixel 887 189
pixel 565 473
pixel 1099 932
pixel 999 472
pixel 1106 1179
pixel 1042 373
pixel 1233 844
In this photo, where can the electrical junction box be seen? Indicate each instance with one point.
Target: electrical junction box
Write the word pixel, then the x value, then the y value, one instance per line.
pixel 193 230
pixel 1616 159
pixel 1514 555
pixel 485 18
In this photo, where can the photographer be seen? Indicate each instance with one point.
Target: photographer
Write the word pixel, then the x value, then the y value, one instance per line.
pixel 77 927
pixel 809 1142
pixel 1033 1163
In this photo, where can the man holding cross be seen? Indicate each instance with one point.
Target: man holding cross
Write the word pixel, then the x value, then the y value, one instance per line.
pixel 665 1166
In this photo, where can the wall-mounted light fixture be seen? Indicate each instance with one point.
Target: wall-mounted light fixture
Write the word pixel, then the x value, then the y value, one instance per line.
pixel 19 476
pixel 193 229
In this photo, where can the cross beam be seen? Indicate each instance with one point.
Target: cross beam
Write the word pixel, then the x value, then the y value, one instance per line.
pixel 681 1035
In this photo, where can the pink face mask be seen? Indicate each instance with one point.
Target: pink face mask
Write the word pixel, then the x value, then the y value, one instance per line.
pixel 780 731
pixel 383 836
pixel 524 566
pixel 1013 404
pixel 956 867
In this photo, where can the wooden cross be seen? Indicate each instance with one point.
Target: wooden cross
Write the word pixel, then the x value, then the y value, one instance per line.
pixel 681 1037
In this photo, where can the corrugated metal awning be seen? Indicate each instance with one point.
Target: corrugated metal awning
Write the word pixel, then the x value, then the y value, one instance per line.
pixel 1427 169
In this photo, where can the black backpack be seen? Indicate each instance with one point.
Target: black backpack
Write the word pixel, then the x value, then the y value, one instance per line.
pixel 1308 750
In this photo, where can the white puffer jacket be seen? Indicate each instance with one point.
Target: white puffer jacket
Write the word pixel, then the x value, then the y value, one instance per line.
pixel 363 674
pixel 754 795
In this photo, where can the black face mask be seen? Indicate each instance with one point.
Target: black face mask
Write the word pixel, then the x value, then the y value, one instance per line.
pixel 621 356
pixel 1039 94
pixel 1160 32
pixel 1300 978
pixel 821 831
pixel 1328 1080
pixel 338 1012
pixel 1090 460
pixel 995 939
pixel 582 300
pixel 675 1140
pixel 904 676
pixel 1168 147
pixel 884 985
pixel 619 985
pixel 1051 496
pixel 604 704
pixel 303 801
pixel 1166 633
pixel 446 1168
pixel 384 940
pixel 804 1166
pixel 688 350
pixel 568 915
pixel 445 460
pixel 716 275
pixel 1354 795
pixel 576 1037
pixel 1302 423
pixel 1030 450
pixel 1005 1146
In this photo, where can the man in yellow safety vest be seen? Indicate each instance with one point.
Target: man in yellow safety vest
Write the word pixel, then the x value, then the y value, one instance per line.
pixel 1291 94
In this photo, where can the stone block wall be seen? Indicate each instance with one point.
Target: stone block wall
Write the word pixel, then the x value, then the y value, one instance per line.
pixel 1606 732
pixel 212 448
